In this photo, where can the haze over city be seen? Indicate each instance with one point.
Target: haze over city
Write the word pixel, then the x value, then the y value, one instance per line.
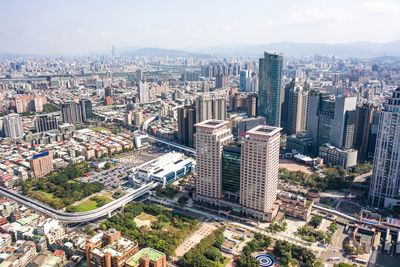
pixel 81 27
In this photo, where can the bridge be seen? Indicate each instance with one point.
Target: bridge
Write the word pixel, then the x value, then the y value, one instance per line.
pixel 172 144
pixel 77 217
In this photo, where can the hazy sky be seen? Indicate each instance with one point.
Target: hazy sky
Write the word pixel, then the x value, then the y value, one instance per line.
pixel 81 26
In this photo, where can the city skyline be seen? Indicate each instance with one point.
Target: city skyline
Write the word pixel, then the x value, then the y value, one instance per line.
pixel 90 27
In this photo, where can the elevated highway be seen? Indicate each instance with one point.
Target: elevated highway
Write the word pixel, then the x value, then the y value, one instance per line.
pixel 76 217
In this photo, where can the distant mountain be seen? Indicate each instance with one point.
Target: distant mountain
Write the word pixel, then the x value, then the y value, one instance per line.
pixel 161 52
pixel 356 49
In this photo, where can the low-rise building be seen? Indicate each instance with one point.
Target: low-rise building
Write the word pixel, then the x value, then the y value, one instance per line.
pixel 147 257
pixel 295 206
pixel 346 158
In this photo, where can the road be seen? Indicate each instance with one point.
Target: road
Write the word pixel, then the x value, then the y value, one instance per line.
pixel 78 216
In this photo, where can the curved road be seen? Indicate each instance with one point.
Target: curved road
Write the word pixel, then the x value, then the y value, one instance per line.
pixel 76 217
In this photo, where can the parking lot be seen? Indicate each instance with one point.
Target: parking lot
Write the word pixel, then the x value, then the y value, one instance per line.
pixel 115 178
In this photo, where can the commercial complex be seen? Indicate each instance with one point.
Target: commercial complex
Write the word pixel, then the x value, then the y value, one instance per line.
pixel 385 181
pixel 241 176
pixel 76 112
pixel 270 87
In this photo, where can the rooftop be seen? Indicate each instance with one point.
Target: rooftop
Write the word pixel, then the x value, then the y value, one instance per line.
pixel 153 254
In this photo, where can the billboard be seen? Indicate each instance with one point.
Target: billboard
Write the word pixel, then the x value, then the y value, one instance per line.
pixel 393 221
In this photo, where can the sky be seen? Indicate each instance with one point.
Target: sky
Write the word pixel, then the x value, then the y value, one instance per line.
pixel 91 26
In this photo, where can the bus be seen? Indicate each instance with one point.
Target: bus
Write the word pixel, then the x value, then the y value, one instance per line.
pixel 334 259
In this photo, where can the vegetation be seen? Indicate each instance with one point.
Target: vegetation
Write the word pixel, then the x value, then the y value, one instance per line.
pixel 59 189
pixel 315 221
pixel 342 264
pixel 362 168
pixel 308 233
pixel 260 242
pixel 333 227
pixel 352 250
pixel 331 178
pixel 169 191
pixel 174 227
pixel 48 108
pixel 90 204
pixel 118 194
pixel 277 227
pixel 182 201
pixel 205 254
pixel 291 254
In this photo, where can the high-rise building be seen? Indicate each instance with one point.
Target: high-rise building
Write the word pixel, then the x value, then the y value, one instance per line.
pixel 384 188
pixel 211 106
pixel 211 136
pixel 186 122
pixel 243 77
pixel 12 126
pixel 86 108
pixel 143 92
pixel 294 109
pixel 138 118
pixel 108 92
pixel 73 112
pixel 259 171
pixel 41 164
pixel 270 88
pixel 221 81
pixel 363 139
pixel 139 75
pixel 45 123
pixel 331 120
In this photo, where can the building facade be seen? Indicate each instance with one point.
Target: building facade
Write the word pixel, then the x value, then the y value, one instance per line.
pixel 211 106
pixel 186 122
pixel 211 136
pixel 45 123
pixel 259 171
pixel 12 126
pixel 41 164
pixel 384 188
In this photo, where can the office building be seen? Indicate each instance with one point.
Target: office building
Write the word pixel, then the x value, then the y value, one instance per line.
pixel 301 144
pixel 71 112
pixel 240 128
pixel 259 171
pixel 186 122
pixel 269 87
pixel 294 108
pixel 221 81
pixel 45 123
pixel 86 109
pixel 12 126
pixel 211 136
pixel 364 137
pixel 384 188
pixel 143 92
pixel 211 106
pixel 41 164
pixel 347 158
pixel 231 155
pixel 331 120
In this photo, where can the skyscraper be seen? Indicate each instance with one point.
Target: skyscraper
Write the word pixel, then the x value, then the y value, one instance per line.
pixel 186 122
pixel 269 87
pixel 294 108
pixel 331 120
pixel 231 171
pixel 86 108
pixel 243 77
pixel 384 188
pixel 12 126
pixel 211 106
pixel 143 92
pixel 211 136
pixel 363 138
pixel 139 75
pixel 108 92
pixel 259 171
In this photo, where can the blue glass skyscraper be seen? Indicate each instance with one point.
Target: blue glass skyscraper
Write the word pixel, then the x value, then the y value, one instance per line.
pixel 270 88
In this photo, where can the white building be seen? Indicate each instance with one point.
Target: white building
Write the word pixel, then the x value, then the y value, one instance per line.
pixel 46 226
pixel 12 126
pixel 165 169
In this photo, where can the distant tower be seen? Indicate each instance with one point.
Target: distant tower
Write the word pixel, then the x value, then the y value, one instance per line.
pixel 113 51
